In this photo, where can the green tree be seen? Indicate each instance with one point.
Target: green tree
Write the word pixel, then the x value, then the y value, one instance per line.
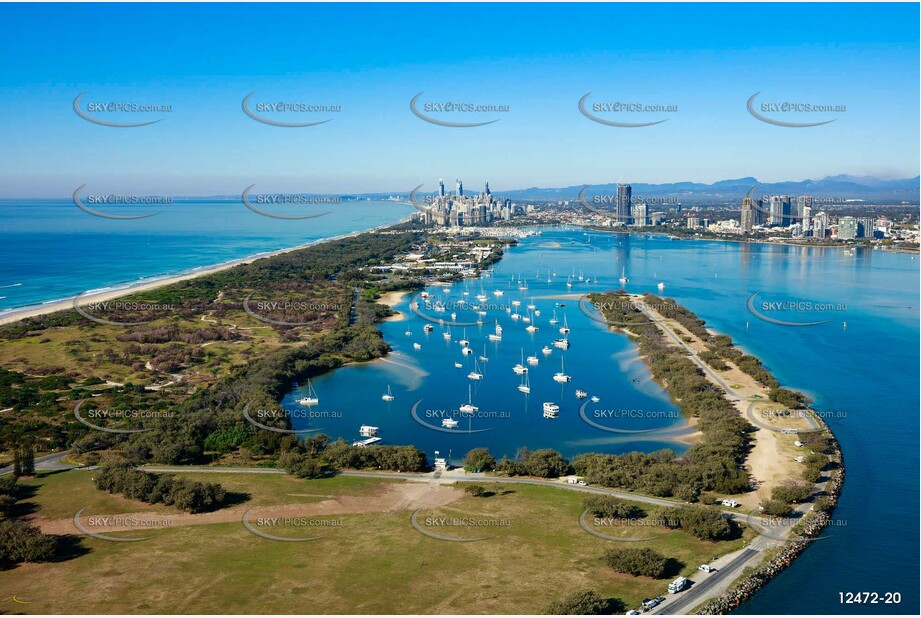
pixel 635 561
pixel 580 603
pixel 479 460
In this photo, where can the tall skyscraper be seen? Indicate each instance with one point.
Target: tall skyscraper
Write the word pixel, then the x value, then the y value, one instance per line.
pixel 780 210
pixel 802 203
pixel 458 187
pixel 865 227
pixel 847 228
pixel 623 206
pixel 487 188
pixel 441 187
pixel 807 218
pixel 640 214
pixel 820 225
pixel 747 219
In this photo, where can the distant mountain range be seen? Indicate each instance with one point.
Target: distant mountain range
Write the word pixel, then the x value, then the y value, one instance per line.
pixel 842 187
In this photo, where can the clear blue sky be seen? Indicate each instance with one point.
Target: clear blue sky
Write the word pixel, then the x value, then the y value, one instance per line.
pixel 372 59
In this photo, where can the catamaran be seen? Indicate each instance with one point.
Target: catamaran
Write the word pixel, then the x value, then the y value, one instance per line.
pixel 311 399
pixel 560 376
pixel 475 374
pixel 388 396
pixel 469 408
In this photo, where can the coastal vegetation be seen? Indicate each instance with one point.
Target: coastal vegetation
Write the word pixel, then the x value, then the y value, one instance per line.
pixel 637 561
pixel 185 495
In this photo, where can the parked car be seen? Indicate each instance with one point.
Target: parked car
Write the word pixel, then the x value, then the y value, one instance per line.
pixel 730 503
pixel 706 568
pixel 648 604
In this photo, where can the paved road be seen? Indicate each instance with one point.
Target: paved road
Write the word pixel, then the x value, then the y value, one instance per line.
pixel 50 462
pixel 698 593
pixel 813 424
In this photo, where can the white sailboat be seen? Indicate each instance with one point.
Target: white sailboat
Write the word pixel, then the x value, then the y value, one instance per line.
pixel 388 396
pixel 520 368
pixel 475 374
pixel 449 423
pixel 311 399
pixel 447 334
pixel 553 320
pixel 484 358
pixel 547 350
pixel 469 408
pixel 560 376
pixel 564 329
pixel 464 342
pixel 533 360
pixel 531 305
pixel 531 328
pixel 661 285
pixel 623 275
pixel 525 386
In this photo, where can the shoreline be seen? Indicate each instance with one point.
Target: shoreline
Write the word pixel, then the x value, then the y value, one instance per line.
pixel 119 290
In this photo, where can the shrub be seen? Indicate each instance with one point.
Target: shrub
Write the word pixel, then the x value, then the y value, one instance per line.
pixel 20 542
pixel 635 561
pixel 479 460
pixel 611 506
pixel 475 490
pixel 580 603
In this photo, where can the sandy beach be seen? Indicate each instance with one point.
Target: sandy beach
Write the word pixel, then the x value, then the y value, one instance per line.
pixel 118 291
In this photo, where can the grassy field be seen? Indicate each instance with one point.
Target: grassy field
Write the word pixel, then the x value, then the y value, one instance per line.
pixel 375 563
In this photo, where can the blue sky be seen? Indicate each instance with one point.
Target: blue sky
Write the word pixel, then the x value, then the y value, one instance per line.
pixel 372 59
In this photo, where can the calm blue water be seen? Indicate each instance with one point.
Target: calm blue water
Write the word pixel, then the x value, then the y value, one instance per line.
pixel 49 249
pixel 864 376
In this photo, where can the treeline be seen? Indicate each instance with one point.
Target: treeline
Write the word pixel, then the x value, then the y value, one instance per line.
pixel 317 456
pixel 184 494
pixel 19 541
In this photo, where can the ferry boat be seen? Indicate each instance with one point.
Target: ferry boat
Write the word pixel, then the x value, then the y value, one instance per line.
pixel 560 376
pixel 551 410
pixel 311 399
pixel 388 396
pixel 469 408
pixel 562 344
pixel 450 423
pixel 368 431
pixel 581 394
